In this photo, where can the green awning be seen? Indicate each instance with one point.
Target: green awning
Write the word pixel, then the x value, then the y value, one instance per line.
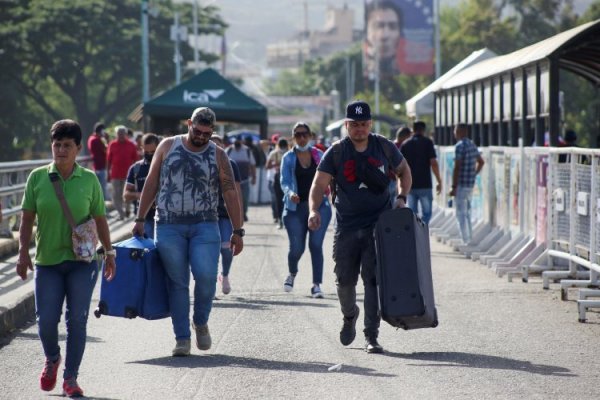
pixel 207 89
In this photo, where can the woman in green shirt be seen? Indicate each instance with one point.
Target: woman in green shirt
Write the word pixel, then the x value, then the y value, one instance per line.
pixel 58 275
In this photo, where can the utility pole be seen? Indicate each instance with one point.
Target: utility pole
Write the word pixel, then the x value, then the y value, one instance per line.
pixel 377 73
pixel 177 53
pixel 196 58
pixel 145 54
pixel 438 55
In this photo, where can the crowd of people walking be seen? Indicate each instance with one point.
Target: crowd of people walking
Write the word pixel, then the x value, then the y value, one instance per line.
pixel 190 193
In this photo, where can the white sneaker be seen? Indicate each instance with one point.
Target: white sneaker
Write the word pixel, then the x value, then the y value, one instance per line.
pixel 288 285
pixel 316 292
pixel 225 285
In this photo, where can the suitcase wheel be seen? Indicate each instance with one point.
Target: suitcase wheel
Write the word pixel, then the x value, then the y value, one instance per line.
pixel 101 309
pixel 130 313
pixel 435 319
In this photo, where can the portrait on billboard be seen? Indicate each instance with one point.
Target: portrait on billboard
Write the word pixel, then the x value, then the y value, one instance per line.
pixel 398 38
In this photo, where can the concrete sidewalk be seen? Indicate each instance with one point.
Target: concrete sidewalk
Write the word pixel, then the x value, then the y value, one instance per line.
pixel 17 303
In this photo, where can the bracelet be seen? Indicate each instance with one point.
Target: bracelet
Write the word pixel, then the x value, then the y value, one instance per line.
pixel 111 252
pixel 140 219
pixel 401 196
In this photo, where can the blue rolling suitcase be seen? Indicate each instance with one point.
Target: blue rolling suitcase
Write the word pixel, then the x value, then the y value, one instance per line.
pixel 139 288
pixel 404 281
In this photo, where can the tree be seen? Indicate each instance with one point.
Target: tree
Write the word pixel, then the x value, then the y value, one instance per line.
pixel 81 59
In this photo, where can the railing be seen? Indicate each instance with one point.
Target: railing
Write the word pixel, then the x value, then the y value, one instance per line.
pixel 13 177
pixel 543 198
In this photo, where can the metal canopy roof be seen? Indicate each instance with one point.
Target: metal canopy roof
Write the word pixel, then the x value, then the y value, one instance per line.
pixel 422 102
pixel 577 50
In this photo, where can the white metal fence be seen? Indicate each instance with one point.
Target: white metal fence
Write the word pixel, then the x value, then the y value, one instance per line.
pixel 546 204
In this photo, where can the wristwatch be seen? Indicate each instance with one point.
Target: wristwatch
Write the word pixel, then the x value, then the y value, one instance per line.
pixel 401 196
pixel 240 232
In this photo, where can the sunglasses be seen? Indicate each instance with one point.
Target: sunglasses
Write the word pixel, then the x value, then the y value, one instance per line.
pixel 199 132
pixel 301 133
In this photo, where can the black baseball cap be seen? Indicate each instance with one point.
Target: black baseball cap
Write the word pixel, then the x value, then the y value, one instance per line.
pixel 358 111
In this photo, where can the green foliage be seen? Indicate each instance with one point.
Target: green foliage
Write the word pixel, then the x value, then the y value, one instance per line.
pixel 82 60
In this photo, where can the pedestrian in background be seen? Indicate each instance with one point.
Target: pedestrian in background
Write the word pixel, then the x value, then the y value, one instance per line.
pixel 298 169
pixel 59 276
pixel 274 168
pixel 244 158
pixel 136 177
pixel 467 164
pixel 360 199
pixel 422 159
pixel 225 227
pixel 185 176
pixel 122 153
pixel 97 148
pixel 402 134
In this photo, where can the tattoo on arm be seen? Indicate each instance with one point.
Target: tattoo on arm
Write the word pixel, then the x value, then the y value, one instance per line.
pixel 226 173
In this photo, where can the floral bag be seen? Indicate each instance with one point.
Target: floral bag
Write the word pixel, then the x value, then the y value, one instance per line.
pixel 85 235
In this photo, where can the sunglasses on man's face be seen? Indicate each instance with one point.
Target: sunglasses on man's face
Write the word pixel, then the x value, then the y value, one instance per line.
pixel 202 132
pixel 301 133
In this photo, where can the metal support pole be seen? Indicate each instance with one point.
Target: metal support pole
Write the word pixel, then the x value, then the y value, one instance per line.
pixel 145 54
pixel 196 57
pixel 177 57
pixel 438 55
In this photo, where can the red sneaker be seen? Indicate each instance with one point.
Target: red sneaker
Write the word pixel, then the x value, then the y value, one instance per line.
pixel 71 388
pixel 48 377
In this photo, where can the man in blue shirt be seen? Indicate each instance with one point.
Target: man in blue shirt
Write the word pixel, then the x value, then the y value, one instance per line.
pixel 360 199
pixel 420 155
pixel 467 164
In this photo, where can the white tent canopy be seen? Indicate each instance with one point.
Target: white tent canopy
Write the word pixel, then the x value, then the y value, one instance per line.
pixel 422 102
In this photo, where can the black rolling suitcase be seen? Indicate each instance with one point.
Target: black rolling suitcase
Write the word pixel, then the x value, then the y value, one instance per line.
pixel 404 281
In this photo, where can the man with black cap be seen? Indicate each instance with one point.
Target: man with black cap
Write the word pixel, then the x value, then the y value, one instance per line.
pixel 360 166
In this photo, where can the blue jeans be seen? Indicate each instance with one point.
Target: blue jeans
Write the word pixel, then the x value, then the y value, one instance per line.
pixel 226 229
pixel 296 224
pixel 181 246
pixel 101 174
pixel 149 229
pixel 462 201
pixel 75 281
pixel 423 196
pixel 245 186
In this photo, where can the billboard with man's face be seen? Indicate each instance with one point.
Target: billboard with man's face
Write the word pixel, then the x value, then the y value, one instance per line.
pixel 400 34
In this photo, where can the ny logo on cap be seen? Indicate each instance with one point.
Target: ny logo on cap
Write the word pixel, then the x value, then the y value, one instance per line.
pixel 358 110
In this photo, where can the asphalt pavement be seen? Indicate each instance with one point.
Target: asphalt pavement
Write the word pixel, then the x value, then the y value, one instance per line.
pixel 495 340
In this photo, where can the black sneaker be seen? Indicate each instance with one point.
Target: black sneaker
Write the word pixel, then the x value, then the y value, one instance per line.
pixel 371 345
pixel 348 332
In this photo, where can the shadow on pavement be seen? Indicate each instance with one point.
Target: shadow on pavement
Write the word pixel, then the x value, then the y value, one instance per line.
pixel 470 360
pixel 255 304
pixel 223 360
pixel 61 337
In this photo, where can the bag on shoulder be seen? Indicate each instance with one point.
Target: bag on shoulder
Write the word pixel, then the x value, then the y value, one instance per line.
pixel 369 174
pixel 85 240
pixel 85 235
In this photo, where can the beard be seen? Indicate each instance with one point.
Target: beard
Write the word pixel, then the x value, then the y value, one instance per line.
pixel 197 141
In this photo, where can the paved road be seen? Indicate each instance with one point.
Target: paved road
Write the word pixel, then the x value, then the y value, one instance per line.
pixel 496 340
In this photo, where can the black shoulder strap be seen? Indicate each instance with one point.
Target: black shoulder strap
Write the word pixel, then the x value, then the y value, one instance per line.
pixel 336 149
pixel 387 151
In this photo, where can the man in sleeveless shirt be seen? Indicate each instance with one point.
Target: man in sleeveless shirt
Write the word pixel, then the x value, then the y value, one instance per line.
pixel 184 179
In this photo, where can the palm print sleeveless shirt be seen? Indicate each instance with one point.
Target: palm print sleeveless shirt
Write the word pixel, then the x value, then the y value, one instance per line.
pixel 189 185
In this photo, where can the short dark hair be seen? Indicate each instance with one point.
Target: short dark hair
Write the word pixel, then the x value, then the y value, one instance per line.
pixel 282 142
pixel 303 124
pixel 380 5
pixel 66 129
pixel 403 131
pixel 419 126
pixel 99 127
pixel 150 138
